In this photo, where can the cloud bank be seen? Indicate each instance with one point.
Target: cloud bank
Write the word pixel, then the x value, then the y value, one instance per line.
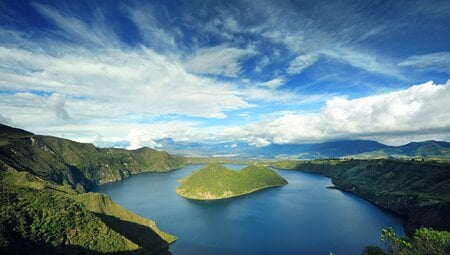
pixel 418 109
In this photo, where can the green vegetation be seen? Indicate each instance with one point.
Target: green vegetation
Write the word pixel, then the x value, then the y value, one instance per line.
pixel 43 207
pixel 80 165
pixel 425 241
pixel 217 182
pixel 41 217
pixel 417 190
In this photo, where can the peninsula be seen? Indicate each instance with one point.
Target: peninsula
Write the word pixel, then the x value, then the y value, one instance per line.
pixel 218 182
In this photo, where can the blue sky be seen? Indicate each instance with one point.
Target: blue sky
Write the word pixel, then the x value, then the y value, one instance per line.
pixel 261 72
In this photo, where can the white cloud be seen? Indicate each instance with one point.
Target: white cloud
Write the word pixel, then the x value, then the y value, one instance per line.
pixel 364 60
pixel 422 108
pixel 301 62
pixel 438 61
pixel 273 84
pixel 151 29
pixel 140 137
pixel 218 60
pixel 139 81
pixel 98 32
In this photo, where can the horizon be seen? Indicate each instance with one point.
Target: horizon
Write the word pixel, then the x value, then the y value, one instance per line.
pixel 130 73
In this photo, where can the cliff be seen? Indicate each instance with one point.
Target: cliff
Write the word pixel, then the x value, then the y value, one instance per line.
pixel 419 191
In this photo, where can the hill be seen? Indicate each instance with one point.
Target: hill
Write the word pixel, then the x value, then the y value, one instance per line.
pixel 80 165
pixel 217 182
pixel 419 191
pixel 44 208
pixel 41 217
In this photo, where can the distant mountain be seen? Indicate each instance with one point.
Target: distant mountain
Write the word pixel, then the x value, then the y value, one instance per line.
pixel 427 149
pixel 196 149
pixel 318 150
pixel 363 149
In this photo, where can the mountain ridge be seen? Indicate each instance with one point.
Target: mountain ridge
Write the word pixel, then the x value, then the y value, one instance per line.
pixel 364 149
pixel 81 165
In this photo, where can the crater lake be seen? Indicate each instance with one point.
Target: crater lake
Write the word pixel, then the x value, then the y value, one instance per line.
pixel 303 217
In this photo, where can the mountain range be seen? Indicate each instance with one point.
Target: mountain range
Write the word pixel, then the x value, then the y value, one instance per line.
pixel 358 149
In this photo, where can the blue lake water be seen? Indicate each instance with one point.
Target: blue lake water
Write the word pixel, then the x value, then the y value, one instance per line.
pixel 303 217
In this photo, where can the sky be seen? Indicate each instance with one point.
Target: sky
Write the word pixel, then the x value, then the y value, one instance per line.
pixel 128 73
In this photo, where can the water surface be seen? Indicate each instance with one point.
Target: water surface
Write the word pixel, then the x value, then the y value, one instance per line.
pixel 303 217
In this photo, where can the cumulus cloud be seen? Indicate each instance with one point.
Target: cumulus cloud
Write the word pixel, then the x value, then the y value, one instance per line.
pixel 148 134
pixel 140 137
pixel 438 61
pixel 421 108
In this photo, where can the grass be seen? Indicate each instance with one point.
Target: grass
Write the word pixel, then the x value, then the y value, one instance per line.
pixel 218 182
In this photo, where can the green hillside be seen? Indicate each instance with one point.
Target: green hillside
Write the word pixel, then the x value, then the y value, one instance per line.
pixel 420 191
pixel 43 207
pixel 80 165
pixel 41 217
pixel 217 182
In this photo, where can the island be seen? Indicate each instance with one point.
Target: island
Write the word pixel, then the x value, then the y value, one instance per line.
pixel 215 181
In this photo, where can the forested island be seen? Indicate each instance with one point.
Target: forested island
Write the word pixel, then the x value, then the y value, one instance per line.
pixel 218 182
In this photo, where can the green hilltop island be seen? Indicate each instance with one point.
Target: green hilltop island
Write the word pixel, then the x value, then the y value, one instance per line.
pixel 215 181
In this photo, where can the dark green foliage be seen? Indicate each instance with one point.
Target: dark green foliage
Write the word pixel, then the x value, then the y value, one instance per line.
pixel 39 217
pixel 42 212
pixel 373 250
pixel 78 164
pixel 216 182
pixel 418 190
pixel 31 218
pixel 424 242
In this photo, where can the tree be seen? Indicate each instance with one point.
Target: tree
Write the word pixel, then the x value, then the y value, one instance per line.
pixel 425 241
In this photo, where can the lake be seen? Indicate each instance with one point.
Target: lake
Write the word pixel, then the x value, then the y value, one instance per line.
pixel 303 217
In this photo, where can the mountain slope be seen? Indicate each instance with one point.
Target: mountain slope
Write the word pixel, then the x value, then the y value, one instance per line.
pixel 80 165
pixel 43 207
pixel 41 217
pixel 217 182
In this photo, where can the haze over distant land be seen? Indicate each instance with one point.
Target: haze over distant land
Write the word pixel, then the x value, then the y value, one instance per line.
pixel 258 73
